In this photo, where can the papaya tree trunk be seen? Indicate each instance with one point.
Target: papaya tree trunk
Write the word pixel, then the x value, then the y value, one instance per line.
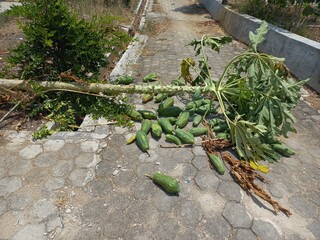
pixel 96 88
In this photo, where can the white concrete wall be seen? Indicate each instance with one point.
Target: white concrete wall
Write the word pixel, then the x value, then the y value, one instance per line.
pixel 4 6
pixel 302 54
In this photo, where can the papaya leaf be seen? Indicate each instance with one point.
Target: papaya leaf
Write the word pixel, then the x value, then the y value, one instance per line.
pixel 185 69
pixel 245 136
pixel 307 10
pixel 258 37
pixel 259 167
pixel 214 43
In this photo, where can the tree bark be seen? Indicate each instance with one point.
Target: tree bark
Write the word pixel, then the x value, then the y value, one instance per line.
pixel 96 88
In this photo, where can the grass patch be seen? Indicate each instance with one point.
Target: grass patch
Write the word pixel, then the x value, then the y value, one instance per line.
pixel 119 8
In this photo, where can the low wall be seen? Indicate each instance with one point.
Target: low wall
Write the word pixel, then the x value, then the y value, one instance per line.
pixel 302 54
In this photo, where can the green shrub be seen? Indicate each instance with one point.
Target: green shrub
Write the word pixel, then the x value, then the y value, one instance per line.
pixel 290 15
pixel 57 40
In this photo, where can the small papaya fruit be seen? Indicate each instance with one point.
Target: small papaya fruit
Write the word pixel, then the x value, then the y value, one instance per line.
pixel 168 183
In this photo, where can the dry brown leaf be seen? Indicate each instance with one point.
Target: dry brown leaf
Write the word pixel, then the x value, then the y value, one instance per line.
pixel 245 176
pixel 243 173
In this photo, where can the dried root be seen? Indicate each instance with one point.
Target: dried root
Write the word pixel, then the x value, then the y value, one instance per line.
pixel 245 176
pixel 210 144
pixel 242 172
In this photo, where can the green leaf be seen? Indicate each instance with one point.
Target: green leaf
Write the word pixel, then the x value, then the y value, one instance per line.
pixel 258 37
pixel 307 10
pixel 48 42
pixel 214 43
pixel 150 77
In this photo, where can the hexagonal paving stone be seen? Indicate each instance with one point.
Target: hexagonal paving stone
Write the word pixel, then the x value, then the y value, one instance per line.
pixel 31 232
pixel 314 228
pixel 177 155
pixel 80 177
pixel 31 151
pixel 230 190
pixel 2 173
pixel 124 179
pixel 115 141
pixel 190 213
pixel 236 214
pixel 54 184
pixel 265 230
pixel 9 185
pixel 43 208
pixel 46 159
pixel 111 153
pixel 19 201
pixel 20 168
pixel 85 160
pixel 148 158
pixel 90 146
pixel 245 234
pixel 218 228
pixel 53 145
pixel 144 188
pixel 69 151
pixel 200 162
pixel 143 212
pixel 168 229
pixel 62 168
pixel 210 202
pixel 3 206
pixel 206 178
pixel 198 151
pixel 94 211
pixel 163 202
pixel 189 234
pixel 113 227
pixel 100 187
pixel 303 206
pixel 138 232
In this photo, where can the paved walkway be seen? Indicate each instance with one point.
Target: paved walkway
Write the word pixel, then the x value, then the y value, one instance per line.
pixel 90 185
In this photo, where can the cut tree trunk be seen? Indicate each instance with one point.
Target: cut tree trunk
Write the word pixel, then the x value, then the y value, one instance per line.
pixel 96 88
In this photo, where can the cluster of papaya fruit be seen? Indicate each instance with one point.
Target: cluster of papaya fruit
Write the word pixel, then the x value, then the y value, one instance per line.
pixel 172 120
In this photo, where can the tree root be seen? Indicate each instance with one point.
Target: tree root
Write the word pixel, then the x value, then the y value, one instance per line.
pixel 243 173
pixel 245 176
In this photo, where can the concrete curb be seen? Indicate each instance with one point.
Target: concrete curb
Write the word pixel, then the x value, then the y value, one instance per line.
pixel 4 6
pixel 302 54
pixel 131 30
pixel 134 49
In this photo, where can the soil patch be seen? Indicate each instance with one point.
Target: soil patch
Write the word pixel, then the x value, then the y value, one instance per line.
pixel 313 98
pixel 208 26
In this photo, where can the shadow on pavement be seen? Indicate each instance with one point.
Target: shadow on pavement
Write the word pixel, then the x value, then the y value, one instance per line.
pixel 192 9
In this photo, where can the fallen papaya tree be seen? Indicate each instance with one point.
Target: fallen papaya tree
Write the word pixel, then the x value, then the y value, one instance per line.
pixel 253 96
pixel 248 107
